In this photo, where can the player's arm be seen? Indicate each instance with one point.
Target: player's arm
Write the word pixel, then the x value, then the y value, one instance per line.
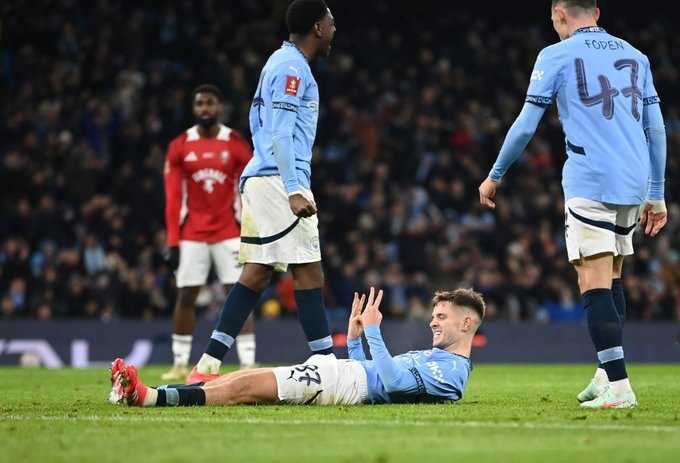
pixel 394 376
pixel 516 141
pixel 654 215
pixel 355 349
pixel 287 91
pixel 172 175
pixel 544 83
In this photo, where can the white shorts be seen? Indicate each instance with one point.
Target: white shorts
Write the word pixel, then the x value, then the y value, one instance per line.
pixel 322 380
pixel 270 233
pixel 195 258
pixel 594 228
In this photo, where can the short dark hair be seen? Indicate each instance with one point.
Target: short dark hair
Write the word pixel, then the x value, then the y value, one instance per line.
pixel 462 297
pixel 302 14
pixel 208 88
pixel 583 4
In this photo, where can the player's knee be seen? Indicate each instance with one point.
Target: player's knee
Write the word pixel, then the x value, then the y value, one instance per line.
pixel 308 276
pixel 186 298
pixel 256 277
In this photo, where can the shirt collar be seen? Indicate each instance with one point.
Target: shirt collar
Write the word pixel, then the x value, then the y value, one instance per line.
pixel 584 30
pixel 288 43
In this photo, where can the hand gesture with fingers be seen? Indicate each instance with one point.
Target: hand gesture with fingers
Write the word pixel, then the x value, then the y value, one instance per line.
pixel 654 216
pixel 487 191
pixel 355 328
pixel 372 315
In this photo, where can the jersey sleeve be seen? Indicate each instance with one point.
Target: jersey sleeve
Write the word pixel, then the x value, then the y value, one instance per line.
pixel 395 377
pixel 172 174
pixel 288 86
pixel 546 78
pixel 649 94
pixel 355 350
pixel 244 153
pixel 438 382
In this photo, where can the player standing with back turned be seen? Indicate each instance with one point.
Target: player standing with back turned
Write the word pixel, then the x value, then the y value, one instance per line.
pixel 616 147
pixel 279 226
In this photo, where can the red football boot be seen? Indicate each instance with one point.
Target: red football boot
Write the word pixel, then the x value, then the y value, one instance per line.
pixel 126 385
pixel 196 377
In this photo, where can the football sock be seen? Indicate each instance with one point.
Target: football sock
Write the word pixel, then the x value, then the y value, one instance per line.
pixel 606 332
pixel 245 347
pixel 181 349
pixel 184 396
pixel 620 303
pixel 619 298
pixel 312 315
pixel 240 302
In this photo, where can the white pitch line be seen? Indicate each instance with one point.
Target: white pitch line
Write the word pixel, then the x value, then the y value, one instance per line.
pixel 351 423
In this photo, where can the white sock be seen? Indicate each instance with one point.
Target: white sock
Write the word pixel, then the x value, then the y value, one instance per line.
pixel 181 349
pixel 245 347
pixel 208 365
pixel 151 396
pixel 621 386
pixel 601 377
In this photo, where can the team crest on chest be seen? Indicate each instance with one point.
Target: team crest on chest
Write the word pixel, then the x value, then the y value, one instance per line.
pixel 209 177
pixel 224 156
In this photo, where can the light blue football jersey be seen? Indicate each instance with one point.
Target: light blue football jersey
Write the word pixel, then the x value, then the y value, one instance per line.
pixel 601 84
pixel 283 119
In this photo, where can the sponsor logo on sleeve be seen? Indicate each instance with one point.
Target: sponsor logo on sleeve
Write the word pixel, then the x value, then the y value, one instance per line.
pixel 292 85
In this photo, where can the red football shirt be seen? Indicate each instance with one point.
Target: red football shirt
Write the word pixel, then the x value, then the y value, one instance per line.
pixel 201 181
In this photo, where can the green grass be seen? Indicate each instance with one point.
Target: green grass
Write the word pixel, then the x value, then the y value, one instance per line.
pixel 510 414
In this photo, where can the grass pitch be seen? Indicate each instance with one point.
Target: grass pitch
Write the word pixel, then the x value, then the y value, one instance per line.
pixel 509 414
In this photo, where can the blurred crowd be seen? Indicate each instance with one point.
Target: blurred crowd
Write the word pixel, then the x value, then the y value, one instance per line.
pixel 414 108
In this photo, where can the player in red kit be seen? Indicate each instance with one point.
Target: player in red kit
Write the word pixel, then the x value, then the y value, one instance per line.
pixel 202 215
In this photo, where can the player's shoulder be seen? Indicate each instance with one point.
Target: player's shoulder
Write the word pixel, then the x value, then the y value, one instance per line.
pixel 287 60
pixel 555 52
pixel 177 143
pixel 230 135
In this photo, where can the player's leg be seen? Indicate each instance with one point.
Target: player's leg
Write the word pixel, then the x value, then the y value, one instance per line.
pixel 192 273
pixel 600 381
pixel 591 238
pixel 245 343
pixel 309 283
pixel 257 386
pixel 239 304
pixel 225 257
pixel 184 320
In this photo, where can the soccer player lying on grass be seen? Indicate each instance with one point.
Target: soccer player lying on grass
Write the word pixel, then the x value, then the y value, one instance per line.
pixel 436 375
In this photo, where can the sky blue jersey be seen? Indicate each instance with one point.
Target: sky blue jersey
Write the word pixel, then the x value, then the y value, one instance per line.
pixel 606 100
pixel 283 119
pixel 416 376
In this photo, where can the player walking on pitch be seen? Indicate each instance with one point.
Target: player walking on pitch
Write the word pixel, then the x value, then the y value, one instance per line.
pixel 616 147
pixel 202 169
pixel 436 375
pixel 279 226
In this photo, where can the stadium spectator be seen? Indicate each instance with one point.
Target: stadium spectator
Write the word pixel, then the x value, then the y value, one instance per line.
pixel 91 97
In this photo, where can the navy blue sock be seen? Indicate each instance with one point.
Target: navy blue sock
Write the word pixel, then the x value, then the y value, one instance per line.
pixel 619 298
pixel 240 302
pixel 605 331
pixel 184 396
pixel 619 302
pixel 312 315
pixel 161 399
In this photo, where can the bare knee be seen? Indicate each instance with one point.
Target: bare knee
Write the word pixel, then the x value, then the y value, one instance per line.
pixel 308 276
pixel 256 277
pixel 186 298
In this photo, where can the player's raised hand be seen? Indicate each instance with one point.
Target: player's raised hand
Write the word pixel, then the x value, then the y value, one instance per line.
pixel 487 191
pixel 355 328
pixel 301 206
pixel 654 216
pixel 372 315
